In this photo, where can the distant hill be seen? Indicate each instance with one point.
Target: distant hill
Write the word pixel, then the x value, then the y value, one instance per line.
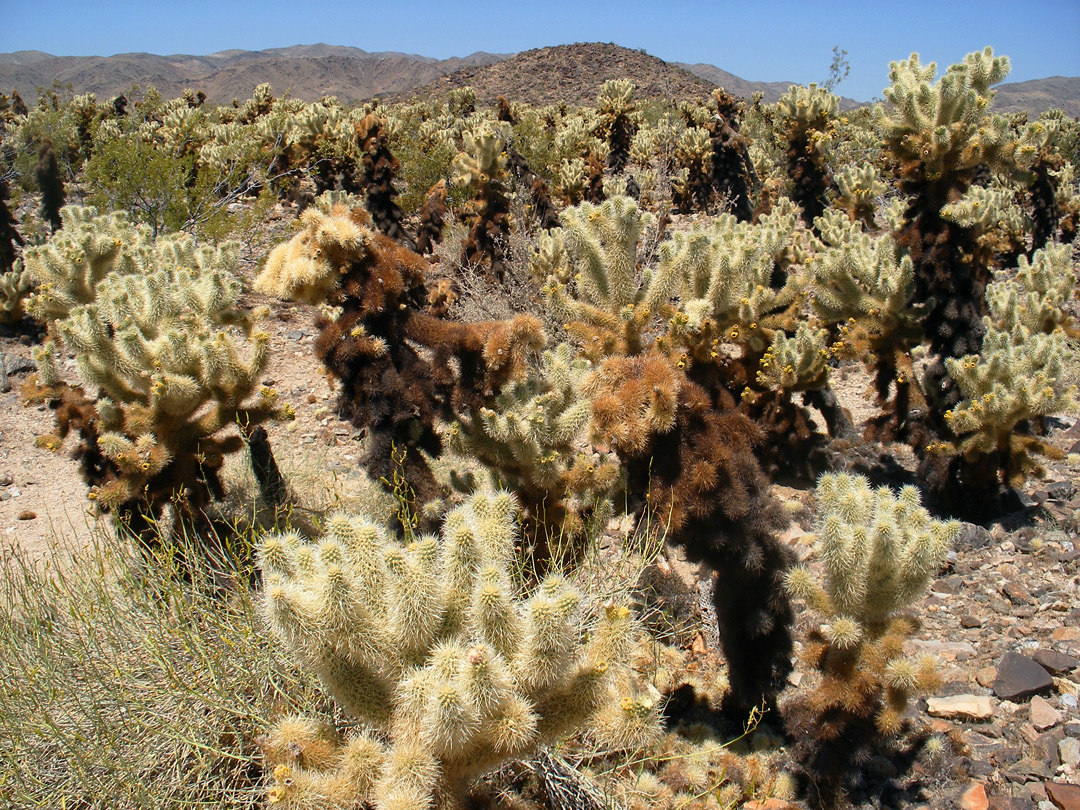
pixel 1038 95
pixel 307 71
pixel 570 73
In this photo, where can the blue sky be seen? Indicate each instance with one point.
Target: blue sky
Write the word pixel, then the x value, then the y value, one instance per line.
pixel 763 41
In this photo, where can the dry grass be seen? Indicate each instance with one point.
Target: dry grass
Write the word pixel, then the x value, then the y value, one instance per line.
pixel 124 686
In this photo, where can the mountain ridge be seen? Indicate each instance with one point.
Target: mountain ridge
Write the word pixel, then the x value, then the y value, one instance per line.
pixel 353 75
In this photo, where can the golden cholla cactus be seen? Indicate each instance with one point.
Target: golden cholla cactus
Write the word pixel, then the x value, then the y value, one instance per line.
pixel 797 363
pixel 937 129
pixel 860 186
pixel 15 287
pixel 592 280
pixel 309 266
pixel 1018 377
pixel 867 288
pixel 879 551
pixel 534 439
pixel 68 268
pixel 806 123
pixel 616 107
pixel 1036 298
pixel 721 277
pixel 449 666
pixel 167 376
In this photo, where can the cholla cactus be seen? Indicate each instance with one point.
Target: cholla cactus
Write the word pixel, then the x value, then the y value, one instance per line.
pixel 1037 296
pixel 806 123
pixel 89 247
pixel 1040 152
pixel 939 134
pixel 993 213
pixel 482 167
pixel 859 187
pixel 879 552
pixel 616 107
pixel 722 278
pixel 570 180
pixel 797 363
pixel 863 285
pixel 592 281
pixel 451 669
pixel 938 130
pixel 695 465
pixel 730 166
pixel 1017 378
pixel 534 440
pixel 167 373
pixel 370 342
pixel 10 238
pixel 692 181
pixel 15 287
pixel 380 166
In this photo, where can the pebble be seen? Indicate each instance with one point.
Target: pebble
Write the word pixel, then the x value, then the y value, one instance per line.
pixel 27 515
pixel 949 650
pixel 1065 797
pixel 1055 662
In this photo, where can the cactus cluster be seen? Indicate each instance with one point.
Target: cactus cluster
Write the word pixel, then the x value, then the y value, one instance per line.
pixel 534 439
pixel 879 551
pixel 389 386
pixel 449 666
pixel 163 374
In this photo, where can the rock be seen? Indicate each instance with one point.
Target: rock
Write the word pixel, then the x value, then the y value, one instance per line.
pixel 1065 797
pixel 1055 662
pixel 27 515
pixel 1016 594
pixel 973 536
pixel 949 650
pixel 1065 633
pixel 1043 715
pixel 963 707
pixel 1010 803
pixel 1061 490
pixel 968 621
pixel 984 676
pixel 948 585
pixel 973 798
pixel 1026 770
pixel 1018 676
pixel 1069 751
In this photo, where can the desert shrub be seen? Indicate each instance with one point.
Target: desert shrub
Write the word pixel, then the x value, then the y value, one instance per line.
pixel 129 173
